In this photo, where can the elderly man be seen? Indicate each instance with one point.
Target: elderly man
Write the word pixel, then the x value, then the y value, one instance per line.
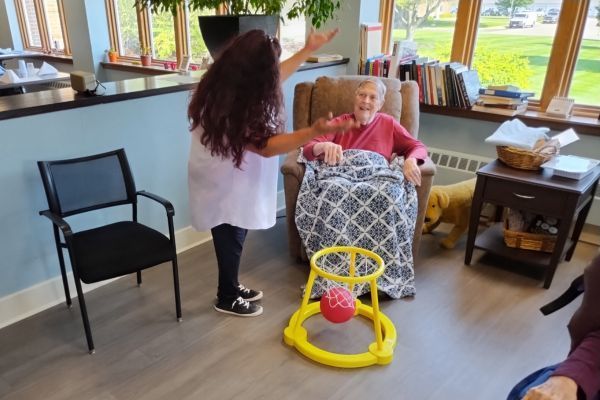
pixel 377 132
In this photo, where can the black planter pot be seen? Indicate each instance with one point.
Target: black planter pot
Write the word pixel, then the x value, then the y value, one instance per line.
pixel 218 30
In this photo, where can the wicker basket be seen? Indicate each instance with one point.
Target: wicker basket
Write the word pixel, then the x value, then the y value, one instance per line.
pixel 528 241
pixel 521 158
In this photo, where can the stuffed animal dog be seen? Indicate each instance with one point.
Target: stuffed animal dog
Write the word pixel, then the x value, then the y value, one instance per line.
pixel 451 204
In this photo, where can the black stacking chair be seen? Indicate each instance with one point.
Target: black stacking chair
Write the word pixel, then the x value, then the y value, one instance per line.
pixel 84 184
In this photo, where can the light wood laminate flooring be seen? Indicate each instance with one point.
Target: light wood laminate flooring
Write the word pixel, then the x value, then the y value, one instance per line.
pixel 469 333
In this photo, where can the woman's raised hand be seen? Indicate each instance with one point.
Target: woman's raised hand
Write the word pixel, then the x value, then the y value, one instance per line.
pixel 315 40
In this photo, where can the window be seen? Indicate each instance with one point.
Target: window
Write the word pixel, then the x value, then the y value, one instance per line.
pixel 128 43
pixel 552 48
pixel 292 32
pixel 197 47
pixel 42 25
pixel 55 34
pixel 168 36
pixel 429 23
pixel 162 28
pixel 515 50
pixel 584 87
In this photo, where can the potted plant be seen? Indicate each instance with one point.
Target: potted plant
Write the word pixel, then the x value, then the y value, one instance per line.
pixel 112 55
pixel 146 56
pixel 240 14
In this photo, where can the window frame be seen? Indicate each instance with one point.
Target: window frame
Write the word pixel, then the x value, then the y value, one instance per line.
pixel 180 25
pixel 42 21
pixel 563 55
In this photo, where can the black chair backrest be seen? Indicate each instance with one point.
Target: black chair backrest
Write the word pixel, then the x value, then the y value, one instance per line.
pixel 88 183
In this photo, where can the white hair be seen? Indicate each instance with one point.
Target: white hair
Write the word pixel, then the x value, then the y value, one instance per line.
pixel 378 84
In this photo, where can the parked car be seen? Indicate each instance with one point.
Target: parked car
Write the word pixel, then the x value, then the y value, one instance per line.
pixel 523 20
pixel 551 17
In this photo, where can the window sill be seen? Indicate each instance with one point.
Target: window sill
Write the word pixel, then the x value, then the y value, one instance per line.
pixel 582 125
pixel 140 69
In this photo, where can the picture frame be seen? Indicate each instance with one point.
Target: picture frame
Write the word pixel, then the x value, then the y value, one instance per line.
pixel 184 65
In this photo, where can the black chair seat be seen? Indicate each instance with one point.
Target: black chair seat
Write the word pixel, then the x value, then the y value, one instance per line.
pixel 118 249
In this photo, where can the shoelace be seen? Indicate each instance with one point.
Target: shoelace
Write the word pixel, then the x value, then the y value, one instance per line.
pixel 244 289
pixel 242 302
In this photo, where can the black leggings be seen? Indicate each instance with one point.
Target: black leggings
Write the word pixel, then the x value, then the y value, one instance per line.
pixel 229 242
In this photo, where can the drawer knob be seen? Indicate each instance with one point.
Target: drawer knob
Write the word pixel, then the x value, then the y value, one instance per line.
pixel 524 196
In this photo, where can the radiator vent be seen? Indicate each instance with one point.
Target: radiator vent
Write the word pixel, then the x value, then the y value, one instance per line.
pixel 457 161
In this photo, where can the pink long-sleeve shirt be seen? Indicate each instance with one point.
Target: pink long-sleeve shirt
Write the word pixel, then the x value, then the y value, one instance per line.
pixel 384 135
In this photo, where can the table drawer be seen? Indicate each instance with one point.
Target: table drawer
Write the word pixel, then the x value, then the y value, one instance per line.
pixel 522 196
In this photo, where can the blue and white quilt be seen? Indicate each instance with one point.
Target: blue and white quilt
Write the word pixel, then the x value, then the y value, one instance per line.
pixel 365 202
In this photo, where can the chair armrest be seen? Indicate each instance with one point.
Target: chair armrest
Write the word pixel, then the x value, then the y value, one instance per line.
pixel 427 168
pixel 292 167
pixel 166 203
pixel 59 222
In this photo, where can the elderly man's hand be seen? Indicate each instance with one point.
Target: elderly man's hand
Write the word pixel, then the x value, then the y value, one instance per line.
pixel 555 388
pixel 332 153
pixel 412 173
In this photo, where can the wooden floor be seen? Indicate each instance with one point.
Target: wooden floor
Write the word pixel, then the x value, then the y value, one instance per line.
pixel 470 333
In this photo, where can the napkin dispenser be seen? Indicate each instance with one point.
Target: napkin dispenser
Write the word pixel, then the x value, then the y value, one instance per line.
pixel 83 81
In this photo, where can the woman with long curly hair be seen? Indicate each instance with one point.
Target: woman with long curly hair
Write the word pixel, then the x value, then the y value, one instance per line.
pixel 236 120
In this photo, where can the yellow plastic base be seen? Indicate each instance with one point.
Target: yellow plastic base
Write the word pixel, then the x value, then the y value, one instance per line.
pixel 299 340
pixel 380 352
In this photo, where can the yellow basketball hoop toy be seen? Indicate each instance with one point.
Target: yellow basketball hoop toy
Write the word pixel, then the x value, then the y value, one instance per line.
pixel 338 304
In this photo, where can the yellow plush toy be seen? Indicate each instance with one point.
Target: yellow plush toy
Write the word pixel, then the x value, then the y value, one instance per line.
pixel 451 204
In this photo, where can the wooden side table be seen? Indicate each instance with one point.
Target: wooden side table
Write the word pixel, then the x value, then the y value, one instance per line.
pixel 538 192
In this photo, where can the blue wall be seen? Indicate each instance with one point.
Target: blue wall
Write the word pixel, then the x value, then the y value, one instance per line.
pixel 153 132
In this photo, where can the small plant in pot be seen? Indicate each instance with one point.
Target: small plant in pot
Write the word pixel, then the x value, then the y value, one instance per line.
pixel 112 55
pixel 146 56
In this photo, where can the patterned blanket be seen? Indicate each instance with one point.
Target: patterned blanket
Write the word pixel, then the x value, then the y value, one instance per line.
pixel 364 202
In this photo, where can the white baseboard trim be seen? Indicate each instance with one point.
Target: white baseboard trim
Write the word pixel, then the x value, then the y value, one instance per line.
pixel 27 302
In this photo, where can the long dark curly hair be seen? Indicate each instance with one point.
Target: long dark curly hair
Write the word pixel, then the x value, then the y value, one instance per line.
pixel 238 101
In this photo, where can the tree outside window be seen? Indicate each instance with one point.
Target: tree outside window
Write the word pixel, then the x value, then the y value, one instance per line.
pixel 163 36
pixel 429 23
pixel 127 28
pixel 292 32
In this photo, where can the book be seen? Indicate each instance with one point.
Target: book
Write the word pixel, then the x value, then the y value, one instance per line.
pixel 488 99
pixel 501 111
pixel 510 88
pixel 506 93
pixel 505 106
pixel 469 84
pixel 324 57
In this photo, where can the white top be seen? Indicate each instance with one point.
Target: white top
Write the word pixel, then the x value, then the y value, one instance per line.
pixel 219 192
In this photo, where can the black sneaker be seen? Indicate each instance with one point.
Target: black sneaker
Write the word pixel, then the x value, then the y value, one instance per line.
pixel 239 307
pixel 249 294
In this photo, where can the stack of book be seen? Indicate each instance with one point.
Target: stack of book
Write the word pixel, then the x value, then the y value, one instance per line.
pixel 505 100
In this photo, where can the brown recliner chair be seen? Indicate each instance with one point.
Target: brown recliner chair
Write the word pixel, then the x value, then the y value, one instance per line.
pixel 336 94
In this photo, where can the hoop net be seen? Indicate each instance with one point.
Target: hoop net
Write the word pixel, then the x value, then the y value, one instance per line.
pixel 338 264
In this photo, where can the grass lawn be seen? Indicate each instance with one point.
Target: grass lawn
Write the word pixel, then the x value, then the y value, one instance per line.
pixel 436 41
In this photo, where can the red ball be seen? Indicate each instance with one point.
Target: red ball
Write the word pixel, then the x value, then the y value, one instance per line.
pixel 337 305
